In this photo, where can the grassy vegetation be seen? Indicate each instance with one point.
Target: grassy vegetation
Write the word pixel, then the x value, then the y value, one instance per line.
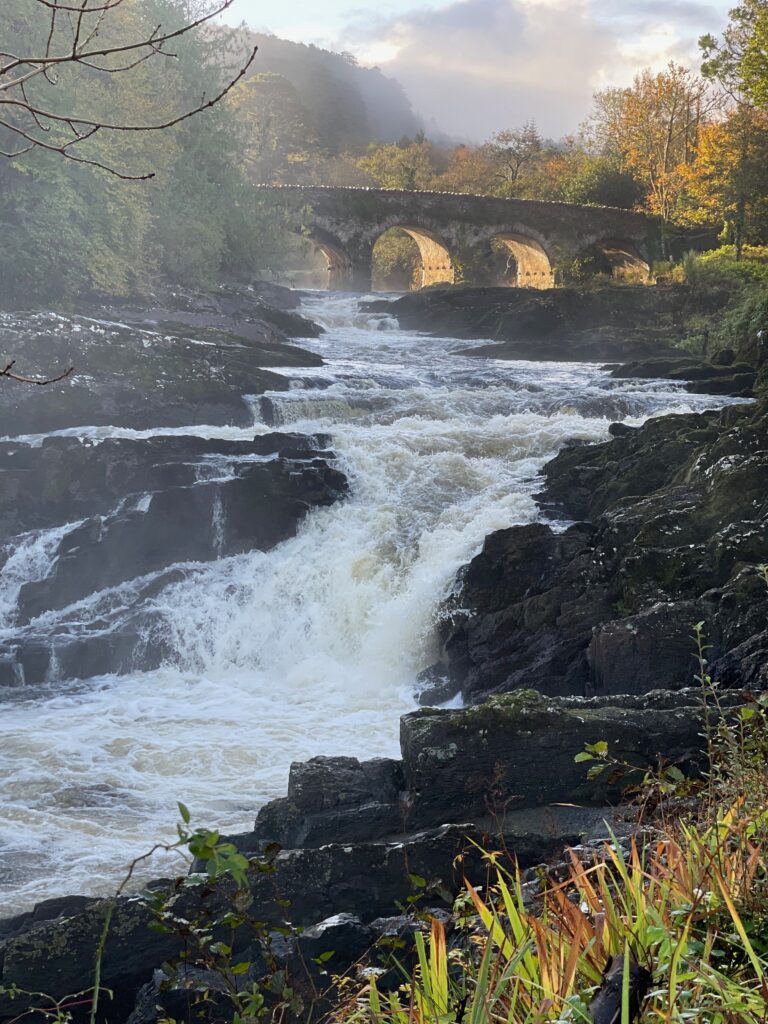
pixel 718 268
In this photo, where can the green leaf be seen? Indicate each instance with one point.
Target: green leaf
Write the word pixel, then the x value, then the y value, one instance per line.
pixel 184 812
pixel 584 756
pixel 417 881
pixel 241 968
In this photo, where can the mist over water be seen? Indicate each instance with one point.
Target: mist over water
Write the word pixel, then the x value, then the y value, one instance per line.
pixel 314 647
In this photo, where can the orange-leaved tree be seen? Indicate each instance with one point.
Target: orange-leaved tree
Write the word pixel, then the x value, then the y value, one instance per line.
pixel 728 182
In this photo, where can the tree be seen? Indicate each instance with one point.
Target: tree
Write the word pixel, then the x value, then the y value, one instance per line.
pixel 53 51
pixel 728 183
pixel 276 128
pixel 470 169
pixel 512 151
pixel 408 164
pixel 599 181
pixel 739 61
pixel 653 127
pixel 196 222
pixel 730 180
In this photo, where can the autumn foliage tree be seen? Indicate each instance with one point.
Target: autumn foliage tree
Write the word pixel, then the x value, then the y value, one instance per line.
pixel 728 183
pixel 653 127
pixel 408 164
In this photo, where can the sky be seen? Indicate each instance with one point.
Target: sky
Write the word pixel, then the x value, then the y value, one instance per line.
pixel 473 67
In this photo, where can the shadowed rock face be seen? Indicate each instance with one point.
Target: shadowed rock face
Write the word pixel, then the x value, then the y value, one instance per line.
pixel 677 531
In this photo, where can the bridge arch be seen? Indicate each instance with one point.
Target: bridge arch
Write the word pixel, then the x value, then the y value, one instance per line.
pixel 436 264
pixel 338 261
pixel 534 267
pixel 624 258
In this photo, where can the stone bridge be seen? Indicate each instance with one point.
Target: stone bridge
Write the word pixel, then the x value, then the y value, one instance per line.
pixel 450 228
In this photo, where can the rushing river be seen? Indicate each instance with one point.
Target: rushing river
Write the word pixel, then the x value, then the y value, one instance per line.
pixel 314 647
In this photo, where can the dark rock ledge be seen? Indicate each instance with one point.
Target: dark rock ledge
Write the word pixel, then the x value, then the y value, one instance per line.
pixel 191 359
pixel 615 322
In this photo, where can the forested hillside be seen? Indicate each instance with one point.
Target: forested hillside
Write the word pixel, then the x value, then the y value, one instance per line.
pixel 343 106
pixel 71 228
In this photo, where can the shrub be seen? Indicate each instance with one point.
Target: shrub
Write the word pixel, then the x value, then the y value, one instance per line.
pixel 719 267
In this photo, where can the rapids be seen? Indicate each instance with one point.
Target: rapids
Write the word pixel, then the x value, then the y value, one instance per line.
pixel 314 647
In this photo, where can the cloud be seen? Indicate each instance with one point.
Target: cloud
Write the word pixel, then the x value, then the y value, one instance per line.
pixel 476 66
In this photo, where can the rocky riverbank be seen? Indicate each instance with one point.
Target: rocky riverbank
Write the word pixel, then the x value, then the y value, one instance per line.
pixel 675 534
pixel 360 838
pixel 612 323
pixel 190 359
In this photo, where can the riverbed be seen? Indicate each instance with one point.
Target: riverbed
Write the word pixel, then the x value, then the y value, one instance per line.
pixel 314 647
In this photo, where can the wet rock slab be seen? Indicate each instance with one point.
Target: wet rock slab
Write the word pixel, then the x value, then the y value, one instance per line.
pixel 722 375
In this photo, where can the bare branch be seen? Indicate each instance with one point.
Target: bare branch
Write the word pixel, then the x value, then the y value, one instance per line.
pixel 55 5
pixel 71 119
pixel 40 381
pixel 31 121
pixel 39 63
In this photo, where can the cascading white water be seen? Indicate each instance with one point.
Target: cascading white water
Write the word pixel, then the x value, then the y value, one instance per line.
pixel 314 647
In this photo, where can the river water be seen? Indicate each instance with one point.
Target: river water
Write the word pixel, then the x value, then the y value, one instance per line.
pixel 314 647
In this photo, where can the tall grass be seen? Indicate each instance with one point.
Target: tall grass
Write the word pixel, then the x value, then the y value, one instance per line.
pixel 679 910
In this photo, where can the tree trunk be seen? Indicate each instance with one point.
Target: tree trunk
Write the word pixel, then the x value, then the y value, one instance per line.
pixel 606 1006
pixel 738 231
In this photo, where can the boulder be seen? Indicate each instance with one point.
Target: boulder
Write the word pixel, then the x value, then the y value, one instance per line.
pixel 333 798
